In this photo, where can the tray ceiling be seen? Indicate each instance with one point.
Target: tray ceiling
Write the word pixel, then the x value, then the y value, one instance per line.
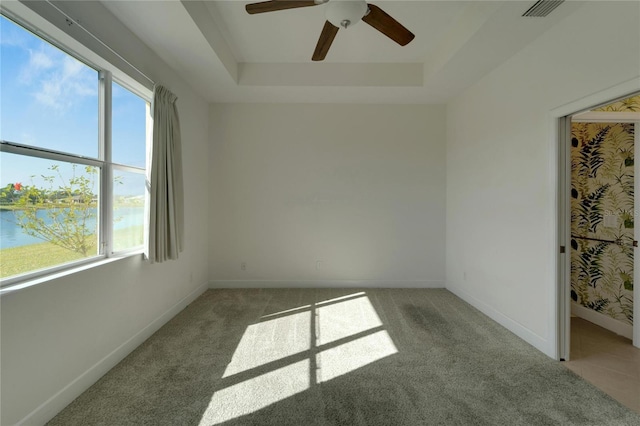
pixel 230 56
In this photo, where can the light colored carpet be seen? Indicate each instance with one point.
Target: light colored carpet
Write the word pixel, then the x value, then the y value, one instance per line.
pixel 339 357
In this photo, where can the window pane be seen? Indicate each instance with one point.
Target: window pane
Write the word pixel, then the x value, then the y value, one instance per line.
pixel 128 209
pixel 48 99
pixel 48 213
pixel 129 133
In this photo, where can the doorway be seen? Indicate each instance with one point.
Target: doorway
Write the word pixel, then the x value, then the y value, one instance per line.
pixel 602 211
pixel 601 263
pixel 601 204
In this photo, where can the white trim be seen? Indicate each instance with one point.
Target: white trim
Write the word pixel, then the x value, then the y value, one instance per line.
pixel 39 276
pixel 564 235
pixel 106 196
pixel 606 117
pixel 324 284
pixel 48 409
pixel 604 321
pixel 47 154
pixel 594 100
pixel 130 169
pixel 556 298
pixel 636 236
pixel 548 347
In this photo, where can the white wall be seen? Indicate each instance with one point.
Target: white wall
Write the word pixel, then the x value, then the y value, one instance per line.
pixel 60 336
pixel 501 175
pixel 358 187
pixel 361 188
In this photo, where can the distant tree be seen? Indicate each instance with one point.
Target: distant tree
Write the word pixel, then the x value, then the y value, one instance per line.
pixel 10 193
pixel 67 209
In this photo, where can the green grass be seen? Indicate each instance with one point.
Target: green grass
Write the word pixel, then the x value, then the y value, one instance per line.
pixel 40 206
pixel 9 207
pixel 19 260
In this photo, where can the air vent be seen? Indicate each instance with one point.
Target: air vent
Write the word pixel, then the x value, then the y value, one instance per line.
pixel 543 8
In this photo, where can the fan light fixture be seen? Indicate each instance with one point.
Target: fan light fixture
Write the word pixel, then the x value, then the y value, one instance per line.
pixel 345 13
pixel 340 14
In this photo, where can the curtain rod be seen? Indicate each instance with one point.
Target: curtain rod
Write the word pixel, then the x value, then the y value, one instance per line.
pixel 76 22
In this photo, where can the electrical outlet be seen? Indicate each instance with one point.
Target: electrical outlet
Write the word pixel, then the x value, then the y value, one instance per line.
pixel 319 264
pixel 243 266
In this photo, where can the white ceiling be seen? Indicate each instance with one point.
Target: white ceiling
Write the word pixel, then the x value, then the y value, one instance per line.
pixel 291 35
pixel 230 56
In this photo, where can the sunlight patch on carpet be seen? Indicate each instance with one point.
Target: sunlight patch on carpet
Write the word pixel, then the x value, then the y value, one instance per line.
pixel 254 394
pixel 334 337
pixel 340 320
pixel 270 341
pixel 350 356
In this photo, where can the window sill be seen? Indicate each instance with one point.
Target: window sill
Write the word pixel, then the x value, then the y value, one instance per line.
pixel 30 282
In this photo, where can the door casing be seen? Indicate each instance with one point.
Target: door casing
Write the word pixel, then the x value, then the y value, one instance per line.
pixel 563 126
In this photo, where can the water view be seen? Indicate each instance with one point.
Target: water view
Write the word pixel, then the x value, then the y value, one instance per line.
pixel 12 235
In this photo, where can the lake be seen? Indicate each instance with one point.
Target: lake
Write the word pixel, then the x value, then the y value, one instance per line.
pixel 11 235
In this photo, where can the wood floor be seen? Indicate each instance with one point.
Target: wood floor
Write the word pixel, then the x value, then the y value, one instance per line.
pixel 607 360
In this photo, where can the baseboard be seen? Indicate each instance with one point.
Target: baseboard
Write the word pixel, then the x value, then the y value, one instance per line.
pixel 324 284
pixel 513 326
pixel 48 409
pixel 604 321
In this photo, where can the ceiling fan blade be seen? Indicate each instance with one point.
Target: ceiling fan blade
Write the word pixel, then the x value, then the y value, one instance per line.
pixel 329 32
pixel 388 26
pixel 273 5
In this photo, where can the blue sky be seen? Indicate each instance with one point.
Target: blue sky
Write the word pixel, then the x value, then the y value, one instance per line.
pixel 49 99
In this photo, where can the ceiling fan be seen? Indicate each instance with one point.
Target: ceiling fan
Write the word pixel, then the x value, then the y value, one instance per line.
pixel 341 14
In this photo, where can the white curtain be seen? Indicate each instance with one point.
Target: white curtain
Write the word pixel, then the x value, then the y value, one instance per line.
pixel 165 238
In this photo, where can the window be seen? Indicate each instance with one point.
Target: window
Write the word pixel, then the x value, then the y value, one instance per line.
pixel 72 155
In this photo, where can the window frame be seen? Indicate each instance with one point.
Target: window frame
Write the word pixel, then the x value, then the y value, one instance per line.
pixel 105 70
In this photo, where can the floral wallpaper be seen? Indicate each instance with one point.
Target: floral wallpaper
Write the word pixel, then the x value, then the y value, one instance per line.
pixel 602 216
pixel 629 104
